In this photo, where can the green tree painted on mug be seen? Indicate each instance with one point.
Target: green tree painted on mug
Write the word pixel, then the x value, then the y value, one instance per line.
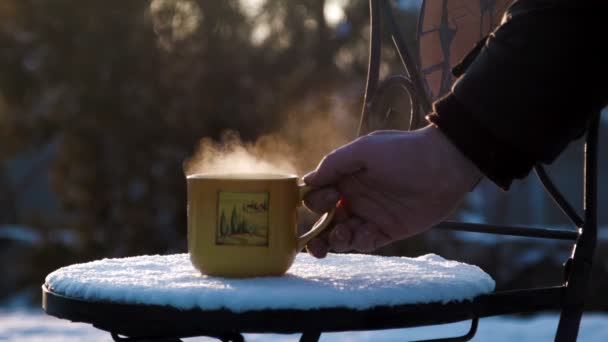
pixel 234 221
pixel 242 226
pixel 223 226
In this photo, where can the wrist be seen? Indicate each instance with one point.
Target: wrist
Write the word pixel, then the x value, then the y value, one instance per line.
pixel 452 160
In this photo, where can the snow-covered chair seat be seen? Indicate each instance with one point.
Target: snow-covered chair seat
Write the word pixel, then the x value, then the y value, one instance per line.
pixel 341 280
pixel 341 292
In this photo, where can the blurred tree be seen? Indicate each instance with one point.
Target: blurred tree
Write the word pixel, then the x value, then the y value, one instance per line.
pixel 124 90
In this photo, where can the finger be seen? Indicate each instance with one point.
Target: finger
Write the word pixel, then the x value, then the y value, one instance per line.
pixel 365 203
pixel 372 212
pixel 342 214
pixel 342 161
pixel 367 237
pixel 319 246
pixel 340 238
pixel 351 186
pixel 322 199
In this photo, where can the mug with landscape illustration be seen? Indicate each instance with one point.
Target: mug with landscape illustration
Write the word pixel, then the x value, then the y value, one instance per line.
pixel 245 225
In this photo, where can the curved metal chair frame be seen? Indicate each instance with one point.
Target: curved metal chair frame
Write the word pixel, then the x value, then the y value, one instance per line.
pixel 568 296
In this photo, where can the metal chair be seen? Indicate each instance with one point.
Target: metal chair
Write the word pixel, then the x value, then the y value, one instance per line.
pixel 162 323
pixel 568 297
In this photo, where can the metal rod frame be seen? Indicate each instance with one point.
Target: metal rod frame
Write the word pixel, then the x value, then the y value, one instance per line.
pixel 577 268
pixel 466 337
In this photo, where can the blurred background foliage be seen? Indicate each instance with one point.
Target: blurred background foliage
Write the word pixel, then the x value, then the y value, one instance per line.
pixel 102 102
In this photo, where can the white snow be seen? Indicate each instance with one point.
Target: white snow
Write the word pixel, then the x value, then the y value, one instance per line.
pixel 34 326
pixel 339 280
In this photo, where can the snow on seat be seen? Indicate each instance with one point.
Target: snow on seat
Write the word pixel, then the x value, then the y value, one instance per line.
pixel 340 280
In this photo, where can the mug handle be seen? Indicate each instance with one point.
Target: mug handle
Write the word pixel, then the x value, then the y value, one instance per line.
pixel 319 226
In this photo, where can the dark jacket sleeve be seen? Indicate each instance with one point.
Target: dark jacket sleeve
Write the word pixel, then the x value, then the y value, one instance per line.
pixel 532 88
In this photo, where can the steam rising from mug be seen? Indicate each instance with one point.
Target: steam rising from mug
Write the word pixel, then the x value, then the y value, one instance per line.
pixel 294 149
pixel 231 155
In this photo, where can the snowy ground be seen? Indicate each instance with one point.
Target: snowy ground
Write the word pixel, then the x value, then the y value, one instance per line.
pixel 34 325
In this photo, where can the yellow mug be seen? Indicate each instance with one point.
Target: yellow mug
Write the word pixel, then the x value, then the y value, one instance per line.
pixel 244 225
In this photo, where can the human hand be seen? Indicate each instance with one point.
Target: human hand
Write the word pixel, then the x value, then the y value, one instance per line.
pixel 390 185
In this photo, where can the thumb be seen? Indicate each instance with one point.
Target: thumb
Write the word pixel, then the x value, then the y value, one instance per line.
pixel 341 162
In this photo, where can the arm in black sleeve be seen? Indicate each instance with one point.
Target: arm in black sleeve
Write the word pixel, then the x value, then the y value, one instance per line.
pixel 531 90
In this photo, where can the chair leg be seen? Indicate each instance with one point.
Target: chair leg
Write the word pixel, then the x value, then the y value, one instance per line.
pixel 569 322
pixel 310 336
